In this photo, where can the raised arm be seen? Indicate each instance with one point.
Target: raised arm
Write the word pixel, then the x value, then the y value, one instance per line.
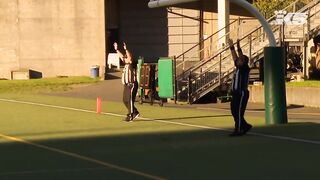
pixel 128 53
pixel 241 59
pixel 115 45
pixel 240 53
pixel 233 51
pixel 238 59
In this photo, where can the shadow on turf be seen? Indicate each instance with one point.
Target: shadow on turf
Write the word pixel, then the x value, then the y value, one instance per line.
pixel 291 106
pixel 189 117
pixel 180 154
pixel 62 132
pixel 106 129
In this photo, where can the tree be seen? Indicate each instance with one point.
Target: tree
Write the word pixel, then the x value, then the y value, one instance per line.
pixel 268 7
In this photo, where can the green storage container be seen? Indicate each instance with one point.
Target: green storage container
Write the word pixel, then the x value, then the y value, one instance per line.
pixel 165 78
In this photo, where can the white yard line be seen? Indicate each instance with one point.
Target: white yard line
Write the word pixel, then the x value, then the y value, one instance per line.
pixel 251 133
pixel 58 107
pixel 168 122
pixel 257 111
pixel 44 171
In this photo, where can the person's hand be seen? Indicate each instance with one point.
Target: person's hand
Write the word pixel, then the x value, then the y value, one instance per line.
pixel 230 41
pixel 124 46
pixel 115 45
pixel 238 44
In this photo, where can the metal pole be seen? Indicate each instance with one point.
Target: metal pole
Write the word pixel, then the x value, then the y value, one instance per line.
pixel 189 88
pixel 250 50
pixel 220 59
pixel 238 28
pixel 175 78
pixel 305 62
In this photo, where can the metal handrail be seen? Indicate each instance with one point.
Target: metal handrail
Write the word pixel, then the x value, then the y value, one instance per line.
pixel 201 50
pixel 195 88
pixel 246 36
pixel 243 46
pixel 206 38
pixel 199 89
pixel 308 6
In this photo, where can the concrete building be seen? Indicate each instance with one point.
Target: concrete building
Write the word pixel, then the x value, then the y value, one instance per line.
pixel 51 37
pixel 66 37
pixel 154 33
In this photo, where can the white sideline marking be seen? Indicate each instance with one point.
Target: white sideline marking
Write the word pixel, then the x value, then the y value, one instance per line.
pixel 251 133
pixel 256 111
pixel 59 107
pixel 78 156
pixel 170 122
pixel 50 171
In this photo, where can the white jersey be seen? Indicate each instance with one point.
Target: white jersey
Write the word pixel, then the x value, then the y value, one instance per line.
pixel 128 74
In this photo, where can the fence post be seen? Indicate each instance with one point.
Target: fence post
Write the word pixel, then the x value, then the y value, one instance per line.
pixel 238 29
pixel 189 88
pixel 220 69
pixel 250 49
pixel 175 79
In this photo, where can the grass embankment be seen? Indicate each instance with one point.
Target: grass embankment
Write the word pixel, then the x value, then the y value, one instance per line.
pixel 43 85
pixel 308 83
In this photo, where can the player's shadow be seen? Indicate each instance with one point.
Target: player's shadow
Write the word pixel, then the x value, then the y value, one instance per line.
pixel 294 106
pixel 188 117
pixel 291 106
pixel 110 76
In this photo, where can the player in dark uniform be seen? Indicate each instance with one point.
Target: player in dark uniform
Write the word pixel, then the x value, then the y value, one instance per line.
pixel 239 90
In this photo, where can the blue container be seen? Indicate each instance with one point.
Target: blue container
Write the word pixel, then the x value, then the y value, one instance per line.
pixel 94 71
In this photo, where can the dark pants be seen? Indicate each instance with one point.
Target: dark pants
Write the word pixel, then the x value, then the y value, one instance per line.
pixel 238 107
pixel 129 96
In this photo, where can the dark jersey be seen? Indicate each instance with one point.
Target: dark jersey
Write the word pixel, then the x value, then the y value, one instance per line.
pixel 240 79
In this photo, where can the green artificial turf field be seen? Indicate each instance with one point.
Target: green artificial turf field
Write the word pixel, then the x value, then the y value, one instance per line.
pixel 48 137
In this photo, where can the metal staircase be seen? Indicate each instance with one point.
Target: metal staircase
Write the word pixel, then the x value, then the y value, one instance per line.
pixel 215 68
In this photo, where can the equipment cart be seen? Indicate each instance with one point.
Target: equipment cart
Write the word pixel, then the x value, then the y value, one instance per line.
pixel 148 84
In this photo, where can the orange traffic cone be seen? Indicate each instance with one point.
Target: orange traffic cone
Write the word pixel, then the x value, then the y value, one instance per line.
pixel 98 106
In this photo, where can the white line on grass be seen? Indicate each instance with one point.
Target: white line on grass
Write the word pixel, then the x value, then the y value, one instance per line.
pixel 258 111
pixel 45 171
pixel 78 156
pixel 251 133
pixel 58 107
pixel 169 122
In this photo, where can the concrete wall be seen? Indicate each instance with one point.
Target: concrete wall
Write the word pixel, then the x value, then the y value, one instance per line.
pixel 145 30
pixel 247 24
pixel 52 37
pixel 154 33
pixel 306 96
pixel 183 31
pixel 9 37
